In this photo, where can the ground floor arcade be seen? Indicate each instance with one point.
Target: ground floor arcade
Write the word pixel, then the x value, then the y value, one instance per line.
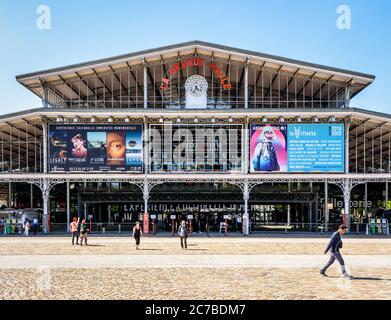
pixel 251 203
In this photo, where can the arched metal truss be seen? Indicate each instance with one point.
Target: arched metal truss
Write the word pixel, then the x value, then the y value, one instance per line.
pixel 147 183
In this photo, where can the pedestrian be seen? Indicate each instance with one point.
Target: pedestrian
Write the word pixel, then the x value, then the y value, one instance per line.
pixel 35 226
pixel 207 224
pixel 334 245
pixel 183 233
pixel 239 223
pixel 83 232
pixel 215 224
pixel 74 228
pixel 251 225
pixel 26 227
pixel 137 234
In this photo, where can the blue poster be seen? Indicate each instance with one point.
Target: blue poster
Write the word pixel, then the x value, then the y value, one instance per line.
pixel 316 148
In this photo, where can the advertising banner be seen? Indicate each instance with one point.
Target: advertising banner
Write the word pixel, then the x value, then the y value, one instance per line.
pixel 95 148
pixel 268 148
pixel 297 148
pixel 146 223
pixel 316 147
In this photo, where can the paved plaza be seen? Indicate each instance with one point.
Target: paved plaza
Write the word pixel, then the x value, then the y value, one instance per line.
pixel 283 267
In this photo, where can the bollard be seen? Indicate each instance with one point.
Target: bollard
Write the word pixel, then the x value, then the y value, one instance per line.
pixel 119 228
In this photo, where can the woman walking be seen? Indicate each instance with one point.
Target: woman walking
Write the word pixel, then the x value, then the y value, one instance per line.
pixel 137 233
pixel 83 232
pixel 183 233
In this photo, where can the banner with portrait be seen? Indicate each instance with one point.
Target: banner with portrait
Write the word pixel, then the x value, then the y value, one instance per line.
pixel 95 148
pixel 268 148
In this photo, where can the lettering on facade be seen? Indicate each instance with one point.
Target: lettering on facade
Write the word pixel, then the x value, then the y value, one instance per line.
pixel 195 62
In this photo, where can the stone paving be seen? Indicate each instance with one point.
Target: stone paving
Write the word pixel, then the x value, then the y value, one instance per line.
pixel 185 261
pixel 197 246
pixel 212 268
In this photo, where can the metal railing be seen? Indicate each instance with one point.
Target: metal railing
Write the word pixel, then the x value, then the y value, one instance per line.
pixel 213 103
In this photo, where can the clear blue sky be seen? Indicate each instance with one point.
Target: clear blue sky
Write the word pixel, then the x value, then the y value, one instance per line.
pixel 92 29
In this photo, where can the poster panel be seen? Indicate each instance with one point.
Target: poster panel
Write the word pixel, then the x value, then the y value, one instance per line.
pixel 297 148
pixel 95 148
pixel 316 147
pixel 268 148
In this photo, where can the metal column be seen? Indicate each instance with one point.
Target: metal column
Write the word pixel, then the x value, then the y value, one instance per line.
pixel 288 220
pixel 68 206
pixel 146 198
pixel 347 210
pixel 146 147
pixel 44 95
pixel 45 145
pixel 85 210
pixel 347 188
pixel 145 85
pixel 326 207
pixel 45 188
pixel 31 196
pixel 366 199
pixel 146 195
pixel 246 85
pixel 386 206
pixel 246 149
pixel 9 194
pixel 347 96
pixel 246 217
pixel 45 199
pixel 347 127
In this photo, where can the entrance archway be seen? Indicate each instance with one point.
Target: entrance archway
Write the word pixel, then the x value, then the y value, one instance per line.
pixel 207 204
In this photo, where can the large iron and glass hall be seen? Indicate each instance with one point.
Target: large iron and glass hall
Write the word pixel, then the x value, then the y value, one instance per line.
pixel 197 130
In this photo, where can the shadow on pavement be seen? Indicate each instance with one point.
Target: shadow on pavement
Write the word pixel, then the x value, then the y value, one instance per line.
pixel 360 278
pixel 93 245
pixel 370 279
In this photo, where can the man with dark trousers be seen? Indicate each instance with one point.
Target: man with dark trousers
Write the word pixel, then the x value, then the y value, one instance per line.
pixel 334 245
